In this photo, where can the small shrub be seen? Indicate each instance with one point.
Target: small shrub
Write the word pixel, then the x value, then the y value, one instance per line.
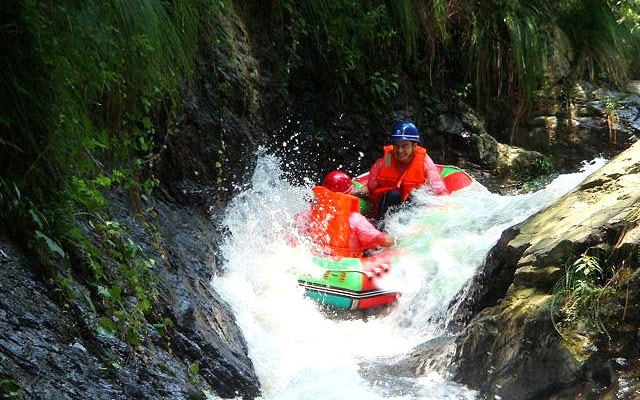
pixel 536 175
pixel 585 295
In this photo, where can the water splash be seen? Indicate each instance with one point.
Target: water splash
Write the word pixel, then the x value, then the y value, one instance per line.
pixel 297 351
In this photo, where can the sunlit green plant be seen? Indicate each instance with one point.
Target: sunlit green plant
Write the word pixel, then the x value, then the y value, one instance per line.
pixel 536 175
pixel 610 106
pixel 583 293
pixel 133 279
pixel 629 11
pixel 381 90
pixel 194 370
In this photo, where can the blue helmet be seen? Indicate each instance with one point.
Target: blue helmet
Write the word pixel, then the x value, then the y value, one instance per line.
pixel 405 130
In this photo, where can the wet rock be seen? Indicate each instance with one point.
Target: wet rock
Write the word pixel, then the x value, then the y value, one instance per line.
pixel 431 356
pixel 543 278
pixel 206 331
pixel 515 160
pixel 486 149
pixel 512 351
pixel 582 90
pixel 547 122
pixel 466 135
pixel 41 364
pixel 559 57
pixel 450 124
pixel 633 87
pixel 52 348
pixel 510 347
pixel 584 123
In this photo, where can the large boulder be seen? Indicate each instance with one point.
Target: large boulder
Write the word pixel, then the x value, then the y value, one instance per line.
pixel 466 135
pixel 510 348
pixel 52 347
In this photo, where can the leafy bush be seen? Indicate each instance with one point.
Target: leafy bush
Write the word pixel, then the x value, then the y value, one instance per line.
pixel 498 46
pixel 534 176
pixel 86 88
pixel 587 293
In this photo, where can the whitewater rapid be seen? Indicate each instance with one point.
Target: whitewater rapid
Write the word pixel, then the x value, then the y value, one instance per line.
pixel 300 352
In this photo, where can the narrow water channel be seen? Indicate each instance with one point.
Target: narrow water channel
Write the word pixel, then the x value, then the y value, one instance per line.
pixel 300 352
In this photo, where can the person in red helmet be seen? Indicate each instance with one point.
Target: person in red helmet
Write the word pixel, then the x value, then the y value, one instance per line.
pixel 338 181
pixel 335 223
pixel 404 167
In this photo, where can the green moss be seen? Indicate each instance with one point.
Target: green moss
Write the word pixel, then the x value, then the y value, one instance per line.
pixel 9 389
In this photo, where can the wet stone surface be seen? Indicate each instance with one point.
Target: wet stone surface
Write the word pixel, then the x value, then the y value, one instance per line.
pixel 50 347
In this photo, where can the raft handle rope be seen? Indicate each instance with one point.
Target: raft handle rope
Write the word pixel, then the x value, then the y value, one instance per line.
pixel 369 275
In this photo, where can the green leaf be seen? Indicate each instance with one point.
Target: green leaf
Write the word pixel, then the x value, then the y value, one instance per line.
pixel 89 302
pixel 103 181
pixel 104 292
pixel 194 368
pixel 131 336
pixel 9 144
pixel 9 388
pixel 147 107
pixel 145 305
pixel 35 218
pixel 51 245
pixel 115 293
pixel 106 327
pixel 144 146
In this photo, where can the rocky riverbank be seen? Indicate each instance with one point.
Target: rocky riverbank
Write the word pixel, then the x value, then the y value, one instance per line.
pixel 518 340
pixel 52 345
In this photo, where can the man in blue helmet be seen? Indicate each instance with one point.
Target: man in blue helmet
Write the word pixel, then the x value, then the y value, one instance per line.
pixel 404 167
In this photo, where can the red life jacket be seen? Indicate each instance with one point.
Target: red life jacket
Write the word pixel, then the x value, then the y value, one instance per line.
pixel 329 226
pixel 390 177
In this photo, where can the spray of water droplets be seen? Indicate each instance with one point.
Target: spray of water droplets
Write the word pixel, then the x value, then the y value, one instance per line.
pixel 297 351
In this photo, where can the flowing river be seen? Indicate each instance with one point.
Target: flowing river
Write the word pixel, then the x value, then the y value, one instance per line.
pixel 300 352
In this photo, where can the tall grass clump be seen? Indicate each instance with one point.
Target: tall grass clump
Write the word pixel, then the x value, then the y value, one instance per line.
pixel 351 44
pixel 501 48
pixel 89 91
pixel 603 40
pixel 503 45
pixel 589 293
pixel 83 84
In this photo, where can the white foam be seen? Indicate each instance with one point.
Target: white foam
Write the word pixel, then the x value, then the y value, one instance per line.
pixel 299 353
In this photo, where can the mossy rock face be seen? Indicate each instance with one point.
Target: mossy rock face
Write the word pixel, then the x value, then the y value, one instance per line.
pixel 560 56
pixel 511 348
pixel 538 277
pixel 465 130
pixel 87 362
pixel 513 160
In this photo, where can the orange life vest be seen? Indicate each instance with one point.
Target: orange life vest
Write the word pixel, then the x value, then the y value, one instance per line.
pixel 390 177
pixel 329 226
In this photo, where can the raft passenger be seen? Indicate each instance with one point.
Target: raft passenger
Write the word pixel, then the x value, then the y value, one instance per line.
pixel 405 166
pixel 335 223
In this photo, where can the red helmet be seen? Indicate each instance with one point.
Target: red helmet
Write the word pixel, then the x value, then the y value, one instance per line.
pixel 338 181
